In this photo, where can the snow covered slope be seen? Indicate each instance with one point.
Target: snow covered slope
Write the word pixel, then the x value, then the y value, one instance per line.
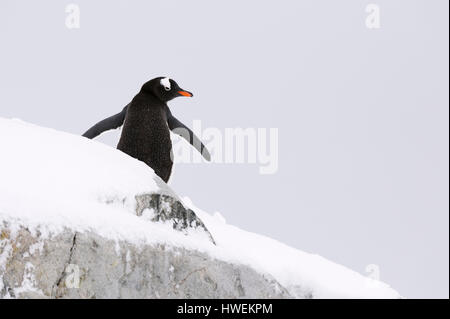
pixel 52 182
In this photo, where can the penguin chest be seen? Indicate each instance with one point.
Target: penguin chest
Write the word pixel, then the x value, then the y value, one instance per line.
pixel 146 137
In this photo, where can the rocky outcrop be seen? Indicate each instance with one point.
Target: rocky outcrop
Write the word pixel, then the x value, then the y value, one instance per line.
pixel 83 220
pixel 35 263
pixel 168 209
pixel 85 265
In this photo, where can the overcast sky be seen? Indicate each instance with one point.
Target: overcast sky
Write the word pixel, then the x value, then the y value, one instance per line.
pixel 362 114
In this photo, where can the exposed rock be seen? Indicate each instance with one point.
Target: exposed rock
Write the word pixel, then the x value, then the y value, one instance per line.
pixel 85 265
pixel 83 220
pixel 167 208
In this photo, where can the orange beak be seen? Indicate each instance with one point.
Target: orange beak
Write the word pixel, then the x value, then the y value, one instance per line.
pixel 185 93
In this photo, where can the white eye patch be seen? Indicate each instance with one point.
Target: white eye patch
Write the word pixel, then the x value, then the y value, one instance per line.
pixel 165 83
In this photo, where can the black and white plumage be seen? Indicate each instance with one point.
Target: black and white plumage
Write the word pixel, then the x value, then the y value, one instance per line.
pixel 146 122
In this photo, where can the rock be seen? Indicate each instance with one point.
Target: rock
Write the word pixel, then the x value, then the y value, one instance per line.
pixel 83 220
pixel 85 265
pixel 166 208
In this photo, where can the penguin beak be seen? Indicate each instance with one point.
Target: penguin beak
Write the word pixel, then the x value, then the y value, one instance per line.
pixel 185 93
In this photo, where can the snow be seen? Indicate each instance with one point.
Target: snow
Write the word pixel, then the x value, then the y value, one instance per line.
pixel 293 268
pixel 51 180
pixel 166 83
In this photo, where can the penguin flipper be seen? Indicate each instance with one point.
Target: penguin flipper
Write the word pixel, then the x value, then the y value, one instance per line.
pixel 109 123
pixel 179 128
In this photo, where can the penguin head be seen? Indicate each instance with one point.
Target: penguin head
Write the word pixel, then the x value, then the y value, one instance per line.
pixel 165 89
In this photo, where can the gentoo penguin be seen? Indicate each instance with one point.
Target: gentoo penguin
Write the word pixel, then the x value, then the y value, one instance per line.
pixel 146 122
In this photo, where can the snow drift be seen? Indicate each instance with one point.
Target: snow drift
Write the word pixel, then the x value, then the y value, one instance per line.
pixel 77 200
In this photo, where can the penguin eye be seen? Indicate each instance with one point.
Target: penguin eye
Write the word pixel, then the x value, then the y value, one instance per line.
pixel 165 82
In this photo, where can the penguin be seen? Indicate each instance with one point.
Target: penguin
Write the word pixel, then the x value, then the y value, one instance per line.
pixel 146 123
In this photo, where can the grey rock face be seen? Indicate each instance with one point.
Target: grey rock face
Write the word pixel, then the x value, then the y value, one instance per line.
pixel 167 208
pixel 85 265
